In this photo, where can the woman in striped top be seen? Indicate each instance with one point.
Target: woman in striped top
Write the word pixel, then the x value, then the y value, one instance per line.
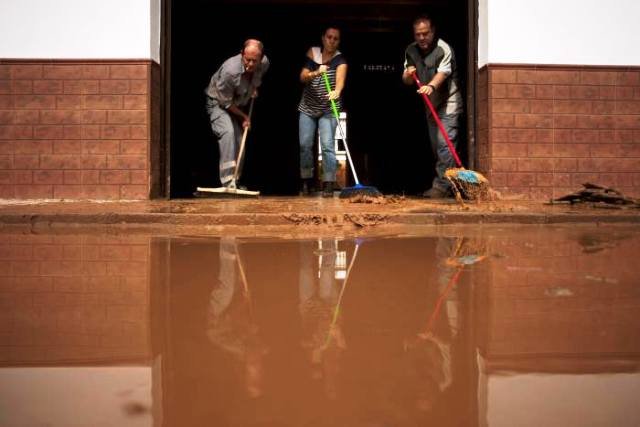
pixel 315 109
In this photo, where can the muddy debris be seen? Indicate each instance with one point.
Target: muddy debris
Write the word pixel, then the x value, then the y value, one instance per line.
pixel 366 220
pixel 598 196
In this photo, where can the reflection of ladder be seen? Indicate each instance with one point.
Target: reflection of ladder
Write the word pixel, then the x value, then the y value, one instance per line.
pixel 341 153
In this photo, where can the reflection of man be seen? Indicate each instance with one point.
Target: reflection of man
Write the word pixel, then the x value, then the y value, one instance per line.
pixel 231 326
pixel 319 294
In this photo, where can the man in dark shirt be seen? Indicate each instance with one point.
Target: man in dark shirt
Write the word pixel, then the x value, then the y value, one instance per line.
pixel 434 62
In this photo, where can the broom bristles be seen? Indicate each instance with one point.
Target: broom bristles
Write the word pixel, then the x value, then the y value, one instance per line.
pixel 359 190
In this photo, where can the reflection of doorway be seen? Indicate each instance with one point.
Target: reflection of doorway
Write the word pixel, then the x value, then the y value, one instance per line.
pixel 386 128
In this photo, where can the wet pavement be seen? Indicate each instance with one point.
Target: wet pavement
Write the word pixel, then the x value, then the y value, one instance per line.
pixel 466 326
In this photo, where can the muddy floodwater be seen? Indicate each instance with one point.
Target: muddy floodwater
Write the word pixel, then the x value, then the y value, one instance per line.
pixel 475 326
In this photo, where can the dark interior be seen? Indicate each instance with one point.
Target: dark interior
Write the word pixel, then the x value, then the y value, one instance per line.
pixel 387 132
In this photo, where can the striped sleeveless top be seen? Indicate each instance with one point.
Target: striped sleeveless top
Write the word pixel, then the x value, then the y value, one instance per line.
pixel 314 101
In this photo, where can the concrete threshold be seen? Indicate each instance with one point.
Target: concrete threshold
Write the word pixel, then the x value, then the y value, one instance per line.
pixel 289 214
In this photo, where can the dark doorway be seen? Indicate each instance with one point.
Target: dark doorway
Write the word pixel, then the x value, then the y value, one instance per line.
pixel 387 134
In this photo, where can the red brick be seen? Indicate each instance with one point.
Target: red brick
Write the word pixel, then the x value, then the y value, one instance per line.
pixel 509 150
pixel 497 135
pixel 620 135
pixel 564 121
pixel 6 147
pixel 23 177
pixel 6 162
pixel 21 87
pixel 510 106
pixel 527 76
pixel 16 132
pixel 627 122
pixel 115 132
pixel 67 147
pixel 502 76
pixel 581 178
pixel 127 162
pixel 608 150
pixel 102 192
pixel 558 77
pixel 596 122
pixel 127 117
pixel 103 102
pixel 69 102
pixel 94 161
pixel 544 193
pixel 5 87
pixel 541 106
pixel 627 165
pixel 535 165
pixel 628 107
pixel 6 177
pixel 502 120
pixel 139 177
pixel 6 101
pixel 91 131
pixel 585 136
pixel 114 87
pixel 504 165
pixel 40 102
pixel 81 87
pixel 5 71
pixel 534 121
pixel 138 87
pixel 544 135
pixel 630 150
pixel 134 192
pixel 540 150
pixel 135 102
pixel 90 177
pixel 544 91
pixel 544 179
pixel 624 92
pixel 128 71
pixel 607 92
pixel 571 150
pixel 107 146
pixel 95 71
pixel 26 71
pixel 521 91
pixel 26 161
pixel 563 136
pixel 55 117
pixel 27 117
pixel 69 192
pixel 572 107
pixel 47 87
pixel 33 191
pixel 7 192
pixel 60 161
pixel 597 165
pixel 521 179
pixel 72 177
pixel 565 165
pixel 598 77
pixel 585 92
pixel 562 92
pixel 604 107
pixel 48 132
pixel 7 117
pixel 94 117
pixel 561 179
pixel 47 177
pixel 139 146
pixel 629 78
pixel 522 135
pixel 73 132
pixel 115 177
pixel 138 132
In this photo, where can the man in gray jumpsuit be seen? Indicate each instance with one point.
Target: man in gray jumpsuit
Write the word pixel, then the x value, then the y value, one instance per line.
pixel 231 87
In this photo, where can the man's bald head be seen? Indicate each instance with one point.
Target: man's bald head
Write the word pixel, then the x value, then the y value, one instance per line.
pixel 253 45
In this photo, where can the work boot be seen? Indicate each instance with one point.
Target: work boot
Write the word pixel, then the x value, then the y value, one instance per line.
pixel 306 187
pixel 436 193
pixel 327 188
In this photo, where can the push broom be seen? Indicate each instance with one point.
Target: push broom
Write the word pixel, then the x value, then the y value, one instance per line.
pixel 358 189
pixel 232 189
pixel 471 183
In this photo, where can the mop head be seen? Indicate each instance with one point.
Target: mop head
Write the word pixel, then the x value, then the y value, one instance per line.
pixel 468 184
pixel 360 192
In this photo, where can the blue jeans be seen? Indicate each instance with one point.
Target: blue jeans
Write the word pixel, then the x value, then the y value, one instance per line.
pixel 439 147
pixel 326 124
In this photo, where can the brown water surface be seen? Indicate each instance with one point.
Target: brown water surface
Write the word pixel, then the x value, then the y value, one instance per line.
pixel 476 326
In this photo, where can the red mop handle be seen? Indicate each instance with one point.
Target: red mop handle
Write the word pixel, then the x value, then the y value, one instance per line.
pixel 440 126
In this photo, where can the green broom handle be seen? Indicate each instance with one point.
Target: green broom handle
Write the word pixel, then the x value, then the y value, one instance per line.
pixel 344 138
pixel 439 122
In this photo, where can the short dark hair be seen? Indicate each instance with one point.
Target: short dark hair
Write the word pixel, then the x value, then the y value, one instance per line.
pixel 331 27
pixel 423 18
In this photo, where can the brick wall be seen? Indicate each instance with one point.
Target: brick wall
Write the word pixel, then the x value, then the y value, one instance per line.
pixel 74 299
pixel 551 128
pixel 76 129
pixel 564 293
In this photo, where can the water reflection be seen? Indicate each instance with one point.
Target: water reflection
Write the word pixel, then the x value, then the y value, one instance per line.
pixel 484 327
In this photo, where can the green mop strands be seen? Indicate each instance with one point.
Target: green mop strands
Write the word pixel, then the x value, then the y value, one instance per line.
pixel 358 189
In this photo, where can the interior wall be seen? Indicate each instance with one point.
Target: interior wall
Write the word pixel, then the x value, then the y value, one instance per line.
pixel 387 132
